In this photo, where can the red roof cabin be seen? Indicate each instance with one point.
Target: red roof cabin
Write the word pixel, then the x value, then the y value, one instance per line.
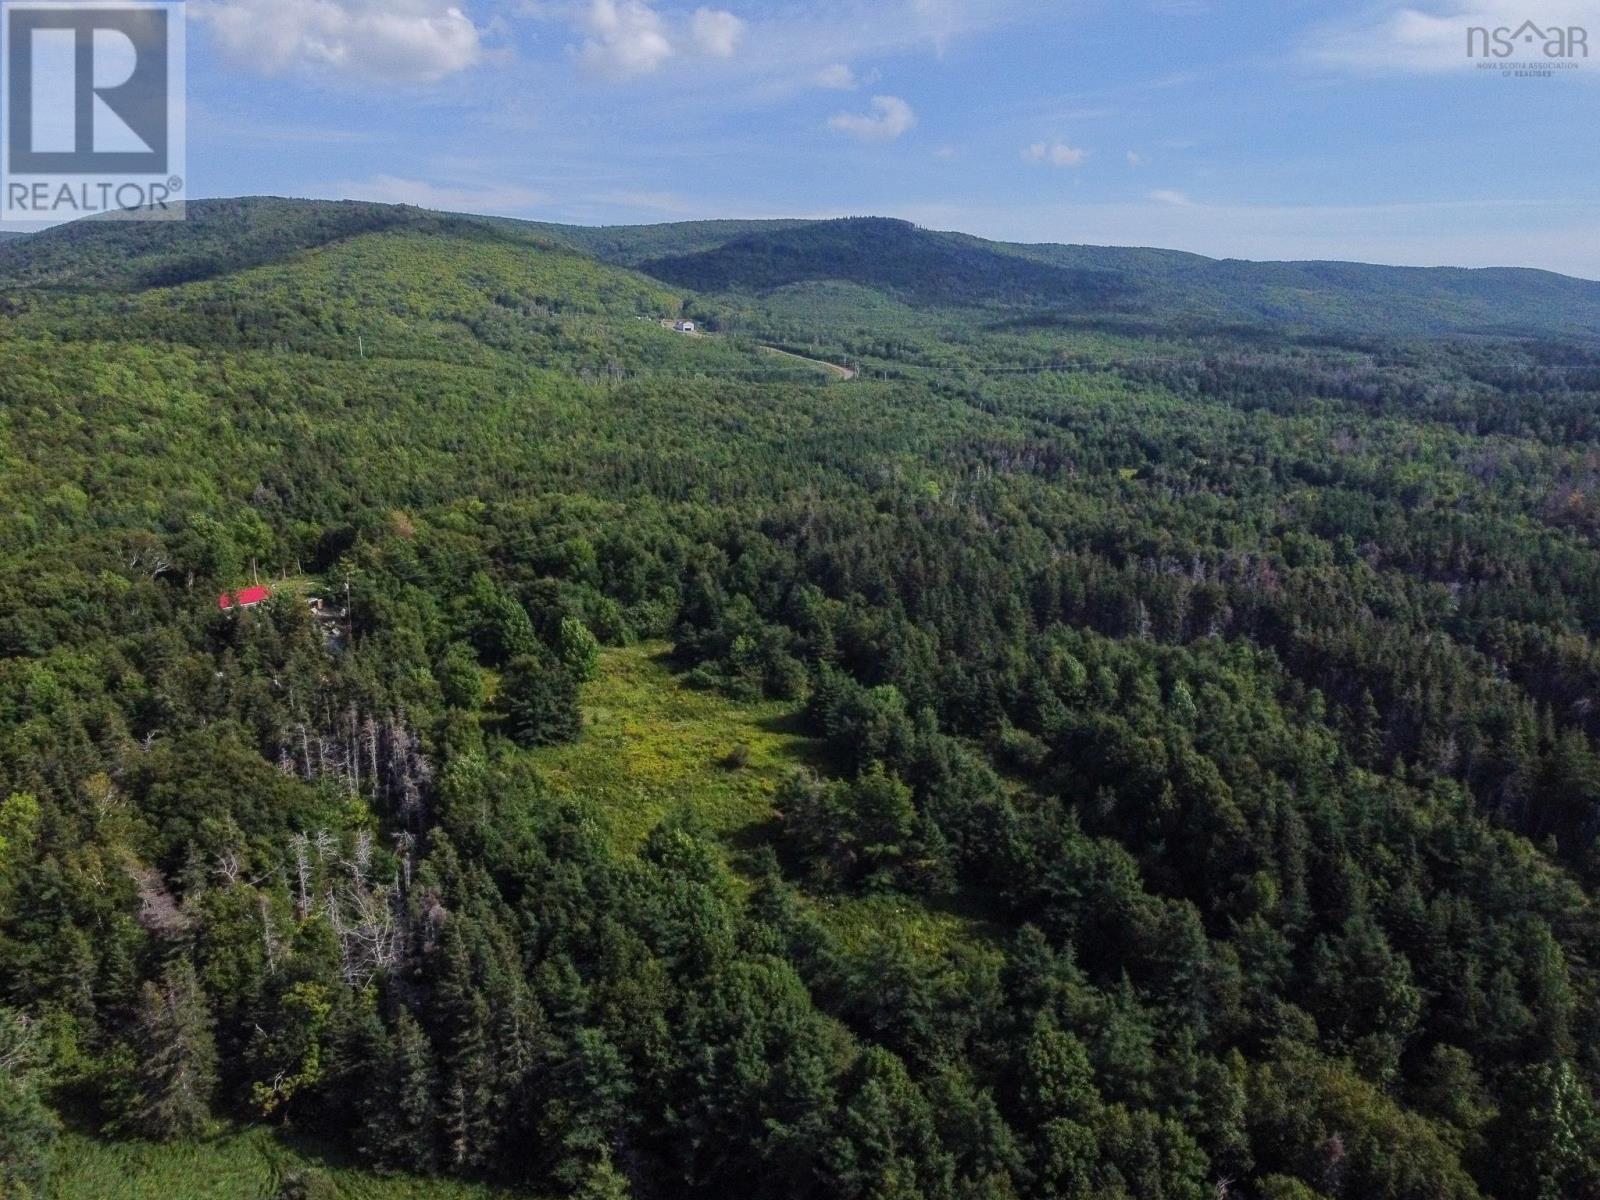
pixel 248 598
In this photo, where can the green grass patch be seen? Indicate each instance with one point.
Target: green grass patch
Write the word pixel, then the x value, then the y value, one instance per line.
pixel 653 746
pixel 933 932
pixel 250 1165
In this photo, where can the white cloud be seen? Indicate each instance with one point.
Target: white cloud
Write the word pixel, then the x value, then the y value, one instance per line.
pixel 1431 37
pixel 627 39
pixel 399 41
pixel 501 199
pixel 717 33
pixel 838 77
pixel 784 49
pixel 890 117
pixel 941 19
pixel 1171 197
pixel 1057 154
pixel 946 152
pixel 1135 159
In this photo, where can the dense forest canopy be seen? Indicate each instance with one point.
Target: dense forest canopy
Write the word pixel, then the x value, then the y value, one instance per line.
pixel 1195 668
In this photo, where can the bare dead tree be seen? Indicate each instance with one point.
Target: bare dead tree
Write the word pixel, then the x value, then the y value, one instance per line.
pixel 368 924
pixel 148 556
pixel 361 857
pixel 19 1052
pixel 302 867
pixel 268 940
pixel 159 912
pixel 228 867
pixel 355 752
pixel 327 848
pixel 373 942
pixel 369 743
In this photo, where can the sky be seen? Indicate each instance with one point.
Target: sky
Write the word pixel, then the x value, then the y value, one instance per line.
pixel 1289 129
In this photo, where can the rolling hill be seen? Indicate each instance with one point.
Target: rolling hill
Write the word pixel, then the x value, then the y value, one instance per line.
pixel 942 269
pixel 219 237
pixel 919 267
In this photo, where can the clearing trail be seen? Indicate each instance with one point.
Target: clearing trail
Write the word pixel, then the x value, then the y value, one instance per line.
pixel 834 369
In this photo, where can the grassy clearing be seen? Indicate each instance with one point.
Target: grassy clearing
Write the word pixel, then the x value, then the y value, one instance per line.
pixel 653 747
pixel 832 369
pixel 864 923
pixel 249 1165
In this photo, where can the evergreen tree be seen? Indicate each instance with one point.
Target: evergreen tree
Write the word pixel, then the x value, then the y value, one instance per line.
pixel 540 698
pixel 398 1108
pixel 170 1072
pixel 578 650
pixel 888 1146
pixel 1546 1144
pixel 28 1128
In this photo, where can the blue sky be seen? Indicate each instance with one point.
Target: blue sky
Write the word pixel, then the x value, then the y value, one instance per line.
pixel 1247 129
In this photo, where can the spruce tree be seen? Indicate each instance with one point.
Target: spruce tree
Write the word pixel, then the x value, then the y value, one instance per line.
pixel 27 1127
pixel 540 698
pixel 173 1070
pixel 398 1111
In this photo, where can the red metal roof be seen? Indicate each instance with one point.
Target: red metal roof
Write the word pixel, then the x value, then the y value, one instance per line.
pixel 248 598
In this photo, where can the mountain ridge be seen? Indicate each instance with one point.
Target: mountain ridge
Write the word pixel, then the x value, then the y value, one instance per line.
pixel 926 268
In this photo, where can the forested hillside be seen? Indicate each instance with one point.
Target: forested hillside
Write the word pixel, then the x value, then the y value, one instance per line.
pixel 1160 288
pixel 1089 754
pixel 631 245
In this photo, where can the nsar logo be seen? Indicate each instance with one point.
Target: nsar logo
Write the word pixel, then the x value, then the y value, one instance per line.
pixel 1553 42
